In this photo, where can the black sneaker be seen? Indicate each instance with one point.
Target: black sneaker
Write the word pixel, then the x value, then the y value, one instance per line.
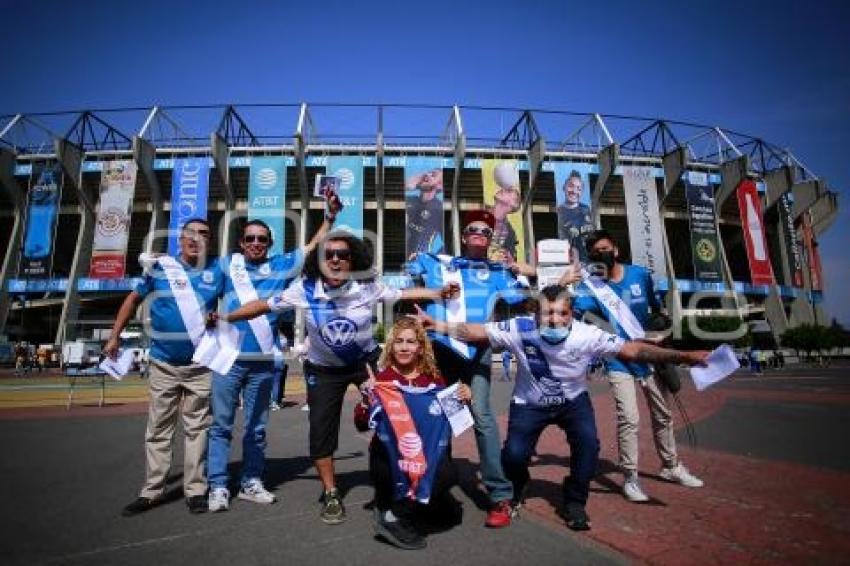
pixel 400 532
pixel 197 504
pixel 333 511
pixel 576 517
pixel 140 505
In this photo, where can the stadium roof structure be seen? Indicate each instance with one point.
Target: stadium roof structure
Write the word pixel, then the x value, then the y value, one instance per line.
pixel 257 128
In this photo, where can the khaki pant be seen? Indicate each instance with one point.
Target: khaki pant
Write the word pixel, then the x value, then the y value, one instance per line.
pixel 625 400
pixel 186 388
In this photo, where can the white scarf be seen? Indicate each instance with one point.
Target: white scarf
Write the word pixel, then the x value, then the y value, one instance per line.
pixel 615 305
pixel 455 308
pixel 184 295
pixel 247 293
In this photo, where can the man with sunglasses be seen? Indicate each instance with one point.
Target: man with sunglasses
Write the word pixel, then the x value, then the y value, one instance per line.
pixel 179 292
pixel 249 276
pixel 482 283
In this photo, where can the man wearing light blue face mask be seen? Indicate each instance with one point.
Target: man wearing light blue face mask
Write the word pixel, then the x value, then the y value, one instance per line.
pixel 553 353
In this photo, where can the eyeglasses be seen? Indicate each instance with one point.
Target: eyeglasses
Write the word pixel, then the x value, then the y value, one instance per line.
pixel 343 255
pixel 259 238
pixel 483 230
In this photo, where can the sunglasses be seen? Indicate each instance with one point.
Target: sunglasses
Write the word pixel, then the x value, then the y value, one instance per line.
pixel 343 255
pixel 251 238
pixel 484 231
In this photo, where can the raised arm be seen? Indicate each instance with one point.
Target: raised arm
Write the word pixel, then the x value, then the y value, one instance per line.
pixel 642 352
pixel 465 331
pixel 248 311
pixel 125 313
pixel 448 291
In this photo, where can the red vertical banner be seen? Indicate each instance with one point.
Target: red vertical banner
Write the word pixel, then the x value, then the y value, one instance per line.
pixel 812 253
pixel 755 238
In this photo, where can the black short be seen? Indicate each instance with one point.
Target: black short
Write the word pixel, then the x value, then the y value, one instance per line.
pixel 454 367
pixel 326 389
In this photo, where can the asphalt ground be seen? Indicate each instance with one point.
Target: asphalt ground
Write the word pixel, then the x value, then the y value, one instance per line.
pixel 772 450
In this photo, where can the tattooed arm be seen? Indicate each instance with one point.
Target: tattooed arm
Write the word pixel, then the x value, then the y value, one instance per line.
pixel 647 353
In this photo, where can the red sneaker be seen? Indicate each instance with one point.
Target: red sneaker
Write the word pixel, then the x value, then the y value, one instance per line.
pixel 499 516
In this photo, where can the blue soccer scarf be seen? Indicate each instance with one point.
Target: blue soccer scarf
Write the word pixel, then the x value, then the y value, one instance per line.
pixel 410 423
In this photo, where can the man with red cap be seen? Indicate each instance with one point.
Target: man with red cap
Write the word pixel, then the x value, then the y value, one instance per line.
pixel 482 283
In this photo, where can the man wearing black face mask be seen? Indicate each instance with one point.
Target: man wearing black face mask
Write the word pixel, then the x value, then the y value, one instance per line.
pixel 624 295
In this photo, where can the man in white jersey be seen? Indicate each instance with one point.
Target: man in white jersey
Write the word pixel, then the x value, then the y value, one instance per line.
pixel 553 354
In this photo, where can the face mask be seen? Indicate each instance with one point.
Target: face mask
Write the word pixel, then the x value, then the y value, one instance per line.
pixel 554 335
pixel 605 258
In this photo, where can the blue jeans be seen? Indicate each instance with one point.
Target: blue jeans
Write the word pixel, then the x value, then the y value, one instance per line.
pixel 577 420
pixel 279 384
pixel 476 374
pixel 254 380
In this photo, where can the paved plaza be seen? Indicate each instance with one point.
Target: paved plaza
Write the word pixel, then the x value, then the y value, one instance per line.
pixel 772 450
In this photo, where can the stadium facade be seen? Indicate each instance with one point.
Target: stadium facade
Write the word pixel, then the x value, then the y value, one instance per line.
pixel 727 222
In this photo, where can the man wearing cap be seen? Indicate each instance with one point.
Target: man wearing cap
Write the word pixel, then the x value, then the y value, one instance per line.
pixel 482 283
pixel 179 292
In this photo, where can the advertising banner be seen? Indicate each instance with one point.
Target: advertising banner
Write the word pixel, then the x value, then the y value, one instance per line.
pixel 267 196
pixel 812 253
pixel 423 199
pixel 792 243
pixel 705 244
pixel 754 236
pixel 572 198
pixel 502 198
pixel 190 180
pixel 644 220
pixel 43 199
pixel 114 209
pixel 349 170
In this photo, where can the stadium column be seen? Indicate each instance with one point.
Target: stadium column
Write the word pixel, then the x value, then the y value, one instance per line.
pixel 384 315
pixel 675 163
pixel 732 172
pixel 608 158
pixel 300 145
pixel 806 194
pixel 220 156
pixel 536 153
pixel 777 182
pixel 70 157
pixel 460 153
pixel 144 153
pixel 10 260
pixel 823 213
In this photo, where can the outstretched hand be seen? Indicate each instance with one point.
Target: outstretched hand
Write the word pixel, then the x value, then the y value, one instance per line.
pixel 696 358
pixel 422 318
pixel 450 291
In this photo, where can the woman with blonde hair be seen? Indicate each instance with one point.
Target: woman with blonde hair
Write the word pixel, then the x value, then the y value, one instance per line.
pixel 408 360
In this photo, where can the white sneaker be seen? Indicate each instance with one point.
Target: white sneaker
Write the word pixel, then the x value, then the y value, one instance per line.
pixel 632 490
pixel 253 490
pixel 682 476
pixel 305 407
pixel 218 499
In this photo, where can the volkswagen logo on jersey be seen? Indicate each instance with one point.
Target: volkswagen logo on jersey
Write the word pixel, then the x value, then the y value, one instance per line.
pixel 339 332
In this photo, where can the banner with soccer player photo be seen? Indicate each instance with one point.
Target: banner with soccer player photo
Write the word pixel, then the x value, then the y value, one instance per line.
pixel 423 199
pixel 705 245
pixel 502 198
pixel 572 200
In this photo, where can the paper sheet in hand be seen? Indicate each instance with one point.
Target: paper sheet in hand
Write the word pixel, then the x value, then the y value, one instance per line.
pixel 455 410
pixel 118 367
pixel 721 362
pixel 218 348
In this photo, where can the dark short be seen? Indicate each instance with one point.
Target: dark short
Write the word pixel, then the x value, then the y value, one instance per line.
pixel 454 367
pixel 326 387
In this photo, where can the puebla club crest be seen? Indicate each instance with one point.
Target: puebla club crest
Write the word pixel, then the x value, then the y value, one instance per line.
pixel 339 332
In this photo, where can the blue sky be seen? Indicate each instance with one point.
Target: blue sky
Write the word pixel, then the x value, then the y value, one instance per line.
pixel 779 70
